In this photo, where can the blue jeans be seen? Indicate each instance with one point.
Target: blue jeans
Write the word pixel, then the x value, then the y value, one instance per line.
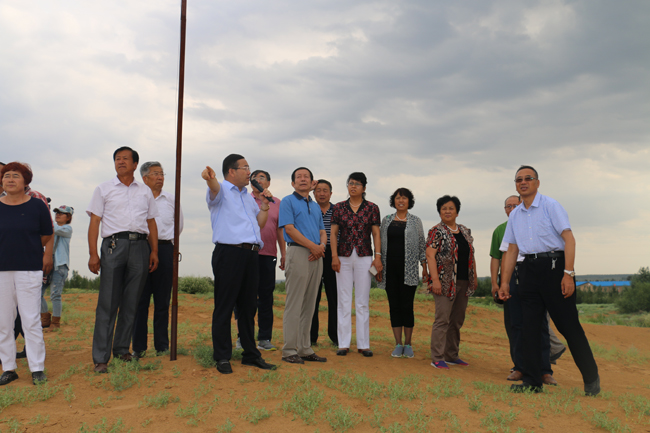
pixel 59 275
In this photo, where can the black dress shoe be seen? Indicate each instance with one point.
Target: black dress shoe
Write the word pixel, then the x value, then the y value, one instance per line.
pixel 21 355
pixel 260 363
pixel 366 352
pixel 313 358
pixel 8 377
pixel 38 377
pixel 101 368
pixel 224 367
pixel 526 387
pixel 342 352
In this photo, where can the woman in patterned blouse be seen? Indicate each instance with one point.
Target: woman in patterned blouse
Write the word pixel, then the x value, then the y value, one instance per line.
pixel 402 248
pixel 353 222
pixel 452 271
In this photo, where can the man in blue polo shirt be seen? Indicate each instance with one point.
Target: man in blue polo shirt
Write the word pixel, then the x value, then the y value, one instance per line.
pixel 540 230
pixel 305 235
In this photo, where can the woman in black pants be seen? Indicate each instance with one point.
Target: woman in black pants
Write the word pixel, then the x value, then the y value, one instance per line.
pixel 402 249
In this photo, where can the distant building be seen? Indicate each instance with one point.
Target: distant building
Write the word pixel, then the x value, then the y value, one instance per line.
pixel 605 286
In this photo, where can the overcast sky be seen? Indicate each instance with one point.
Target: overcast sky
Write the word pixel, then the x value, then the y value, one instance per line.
pixel 440 97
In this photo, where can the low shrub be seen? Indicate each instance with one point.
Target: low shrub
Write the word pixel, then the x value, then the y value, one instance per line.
pixel 194 285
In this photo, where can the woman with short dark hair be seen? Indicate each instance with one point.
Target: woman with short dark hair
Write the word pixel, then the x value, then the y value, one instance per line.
pixel 402 249
pixel 354 222
pixel 25 228
pixel 452 271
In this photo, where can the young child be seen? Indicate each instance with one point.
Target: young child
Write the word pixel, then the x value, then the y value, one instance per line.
pixel 62 235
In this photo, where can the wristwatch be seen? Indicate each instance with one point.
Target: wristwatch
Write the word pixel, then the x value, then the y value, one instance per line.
pixel 570 273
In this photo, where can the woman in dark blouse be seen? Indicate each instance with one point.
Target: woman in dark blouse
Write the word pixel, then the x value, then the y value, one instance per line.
pixel 354 221
pixel 452 271
pixel 402 250
pixel 25 228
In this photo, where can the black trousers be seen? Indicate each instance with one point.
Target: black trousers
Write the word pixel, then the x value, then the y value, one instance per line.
pixel 540 288
pixel 265 291
pixel 158 285
pixel 236 277
pixel 400 304
pixel 329 281
pixel 516 327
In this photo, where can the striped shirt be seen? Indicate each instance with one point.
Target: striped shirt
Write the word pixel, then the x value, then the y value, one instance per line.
pixel 327 221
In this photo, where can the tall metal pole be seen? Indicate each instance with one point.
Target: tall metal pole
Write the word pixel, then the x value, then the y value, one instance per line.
pixel 177 202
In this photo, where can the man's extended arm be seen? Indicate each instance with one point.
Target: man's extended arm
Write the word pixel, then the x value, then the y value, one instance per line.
pixel 211 179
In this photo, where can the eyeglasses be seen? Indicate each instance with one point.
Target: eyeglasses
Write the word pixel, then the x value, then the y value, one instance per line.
pixel 246 167
pixel 511 206
pixel 156 174
pixel 258 178
pixel 354 184
pixel 527 179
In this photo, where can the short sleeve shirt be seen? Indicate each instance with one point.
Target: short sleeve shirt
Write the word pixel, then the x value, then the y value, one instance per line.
pixel 497 237
pixel 21 228
pixel 123 208
pixel 304 214
pixel 270 230
pixel 537 229
pixel 355 229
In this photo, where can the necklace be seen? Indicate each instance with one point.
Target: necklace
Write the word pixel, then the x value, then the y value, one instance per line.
pixel 400 219
pixel 452 230
pixel 355 205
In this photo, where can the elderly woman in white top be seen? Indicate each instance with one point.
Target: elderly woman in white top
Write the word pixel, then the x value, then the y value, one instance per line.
pixel 402 250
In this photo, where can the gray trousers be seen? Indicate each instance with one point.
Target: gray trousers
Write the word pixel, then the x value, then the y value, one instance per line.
pixel 450 316
pixel 123 275
pixel 303 282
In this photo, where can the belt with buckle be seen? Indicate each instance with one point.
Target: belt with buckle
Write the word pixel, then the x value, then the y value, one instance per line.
pixel 165 241
pixel 246 246
pixel 295 244
pixel 132 236
pixel 550 254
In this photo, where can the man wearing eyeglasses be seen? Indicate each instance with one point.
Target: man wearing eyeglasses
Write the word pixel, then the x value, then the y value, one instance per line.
pixel 539 230
pixel 159 282
pixel 236 222
pixel 512 312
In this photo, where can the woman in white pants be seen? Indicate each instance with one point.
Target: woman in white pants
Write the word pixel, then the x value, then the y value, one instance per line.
pixel 354 221
pixel 25 228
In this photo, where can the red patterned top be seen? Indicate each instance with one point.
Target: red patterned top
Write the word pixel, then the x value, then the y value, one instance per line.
pixel 443 240
pixel 355 229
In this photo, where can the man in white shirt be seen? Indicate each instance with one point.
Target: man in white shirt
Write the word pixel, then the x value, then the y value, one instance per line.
pixel 159 282
pixel 126 210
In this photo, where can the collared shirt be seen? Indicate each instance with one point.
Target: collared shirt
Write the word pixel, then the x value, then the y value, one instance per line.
pixel 304 214
pixel 537 229
pixel 123 208
pixel 270 230
pixel 62 235
pixel 165 218
pixel 496 250
pixel 355 229
pixel 233 214
pixel 327 221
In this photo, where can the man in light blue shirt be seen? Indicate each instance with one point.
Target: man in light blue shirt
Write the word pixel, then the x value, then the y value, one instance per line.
pixel 305 235
pixel 236 222
pixel 539 229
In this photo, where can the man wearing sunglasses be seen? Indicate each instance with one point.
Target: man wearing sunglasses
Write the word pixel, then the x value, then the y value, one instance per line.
pixel 539 229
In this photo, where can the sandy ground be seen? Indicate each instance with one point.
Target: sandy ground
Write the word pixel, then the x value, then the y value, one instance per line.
pixel 355 393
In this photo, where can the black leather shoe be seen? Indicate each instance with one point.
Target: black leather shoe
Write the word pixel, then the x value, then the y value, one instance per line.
pixel 8 377
pixel 38 377
pixel 525 387
pixel 260 363
pixel 366 352
pixel 224 367
pixel 342 352
pixel 21 355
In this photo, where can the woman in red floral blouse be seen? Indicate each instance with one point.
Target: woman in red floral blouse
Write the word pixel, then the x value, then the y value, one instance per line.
pixel 452 271
pixel 354 221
